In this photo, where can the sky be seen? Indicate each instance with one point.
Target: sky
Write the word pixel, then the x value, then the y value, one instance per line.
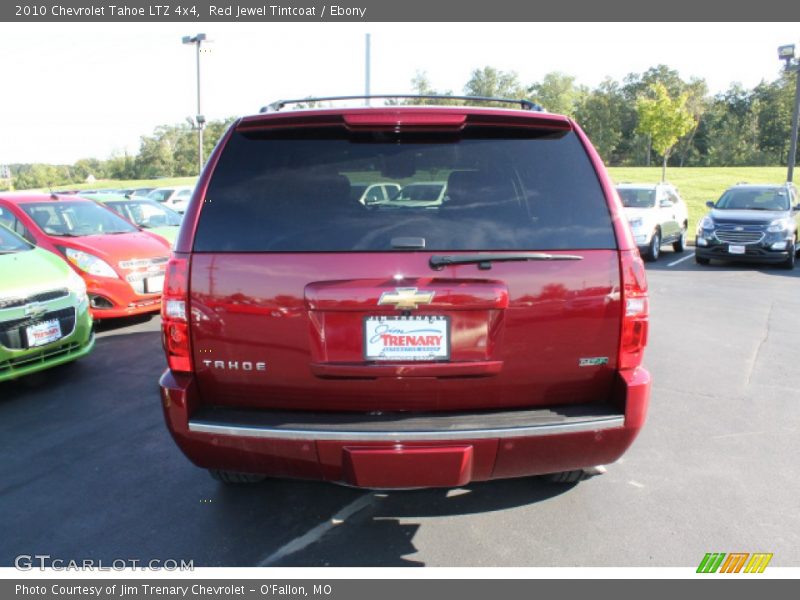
pixel 74 91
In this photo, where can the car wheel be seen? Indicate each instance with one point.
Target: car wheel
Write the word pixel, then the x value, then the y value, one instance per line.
pixel 680 244
pixel 235 478
pixel 700 260
pixel 789 264
pixel 654 249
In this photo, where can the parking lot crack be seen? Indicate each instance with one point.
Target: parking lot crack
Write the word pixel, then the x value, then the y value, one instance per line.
pixel 754 360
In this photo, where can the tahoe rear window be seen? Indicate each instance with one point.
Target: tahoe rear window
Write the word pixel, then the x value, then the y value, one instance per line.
pixel 480 189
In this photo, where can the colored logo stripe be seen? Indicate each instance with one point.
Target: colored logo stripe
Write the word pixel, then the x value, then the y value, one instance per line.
pixel 711 562
pixel 734 562
pixel 758 562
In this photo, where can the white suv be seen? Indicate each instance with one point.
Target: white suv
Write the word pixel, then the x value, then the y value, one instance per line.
pixel 657 215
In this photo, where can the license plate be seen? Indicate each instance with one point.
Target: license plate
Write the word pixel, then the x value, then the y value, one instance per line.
pixel 736 249
pixel 43 333
pixel 154 285
pixel 407 338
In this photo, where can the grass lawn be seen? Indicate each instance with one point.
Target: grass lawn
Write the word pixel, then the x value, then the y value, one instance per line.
pixel 113 184
pixel 699 184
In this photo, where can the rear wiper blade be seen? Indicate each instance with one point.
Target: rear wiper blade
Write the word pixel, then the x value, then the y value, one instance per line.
pixel 484 261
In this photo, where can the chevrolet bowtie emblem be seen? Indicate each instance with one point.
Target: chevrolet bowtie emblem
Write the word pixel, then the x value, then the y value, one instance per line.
pixel 406 298
pixel 35 310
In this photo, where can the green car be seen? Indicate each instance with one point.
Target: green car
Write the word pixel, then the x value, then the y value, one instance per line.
pixel 44 311
pixel 148 214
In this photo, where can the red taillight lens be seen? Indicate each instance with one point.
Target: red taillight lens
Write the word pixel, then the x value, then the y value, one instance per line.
pixel 636 310
pixel 175 315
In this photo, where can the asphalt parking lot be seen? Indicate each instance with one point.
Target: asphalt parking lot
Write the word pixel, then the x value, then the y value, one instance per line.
pixel 88 470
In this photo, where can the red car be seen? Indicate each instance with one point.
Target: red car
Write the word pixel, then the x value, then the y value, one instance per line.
pixel 122 266
pixel 496 333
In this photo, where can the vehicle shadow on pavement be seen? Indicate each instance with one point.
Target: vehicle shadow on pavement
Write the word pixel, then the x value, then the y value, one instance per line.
pixel 690 265
pixel 115 325
pixel 41 382
pixel 383 533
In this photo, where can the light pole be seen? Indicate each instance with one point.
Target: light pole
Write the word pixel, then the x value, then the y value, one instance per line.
pixel 200 120
pixel 786 53
pixel 367 66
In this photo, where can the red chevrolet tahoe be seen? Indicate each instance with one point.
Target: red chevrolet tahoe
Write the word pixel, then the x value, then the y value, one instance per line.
pixel 494 330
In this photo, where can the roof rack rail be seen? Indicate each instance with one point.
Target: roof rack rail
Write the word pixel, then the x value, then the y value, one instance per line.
pixel 525 104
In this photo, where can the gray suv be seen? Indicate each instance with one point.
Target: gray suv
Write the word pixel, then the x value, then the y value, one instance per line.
pixel 752 223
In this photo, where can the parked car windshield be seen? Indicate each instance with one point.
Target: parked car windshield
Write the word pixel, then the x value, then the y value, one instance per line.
pixel 637 198
pixel 160 195
pixel 420 192
pixel 754 199
pixel 145 213
pixel 10 243
pixel 291 191
pixel 69 218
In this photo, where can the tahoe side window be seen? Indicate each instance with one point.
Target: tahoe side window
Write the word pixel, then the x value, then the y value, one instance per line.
pixel 482 189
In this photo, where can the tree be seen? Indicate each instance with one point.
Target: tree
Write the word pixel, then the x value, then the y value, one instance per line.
pixel 664 119
pixel 731 132
pixel 557 93
pixel 636 84
pixel 40 176
pixel 697 103
pixel 156 156
pixel 493 83
pixel 600 113
pixel 423 87
pixel 773 105
pixel 120 166
pixel 636 148
pixel 89 166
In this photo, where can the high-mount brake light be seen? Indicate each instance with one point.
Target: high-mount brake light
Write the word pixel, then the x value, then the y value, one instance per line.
pixel 175 316
pixel 636 310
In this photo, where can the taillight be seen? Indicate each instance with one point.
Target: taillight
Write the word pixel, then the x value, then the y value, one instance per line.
pixel 175 315
pixel 636 310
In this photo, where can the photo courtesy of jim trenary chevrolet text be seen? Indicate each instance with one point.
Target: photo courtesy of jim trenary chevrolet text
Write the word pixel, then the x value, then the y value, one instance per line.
pixel 296 296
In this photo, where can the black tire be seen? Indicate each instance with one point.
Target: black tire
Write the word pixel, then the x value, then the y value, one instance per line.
pixel 789 264
pixel 566 476
pixel 234 478
pixel 654 249
pixel 700 260
pixel 680 244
